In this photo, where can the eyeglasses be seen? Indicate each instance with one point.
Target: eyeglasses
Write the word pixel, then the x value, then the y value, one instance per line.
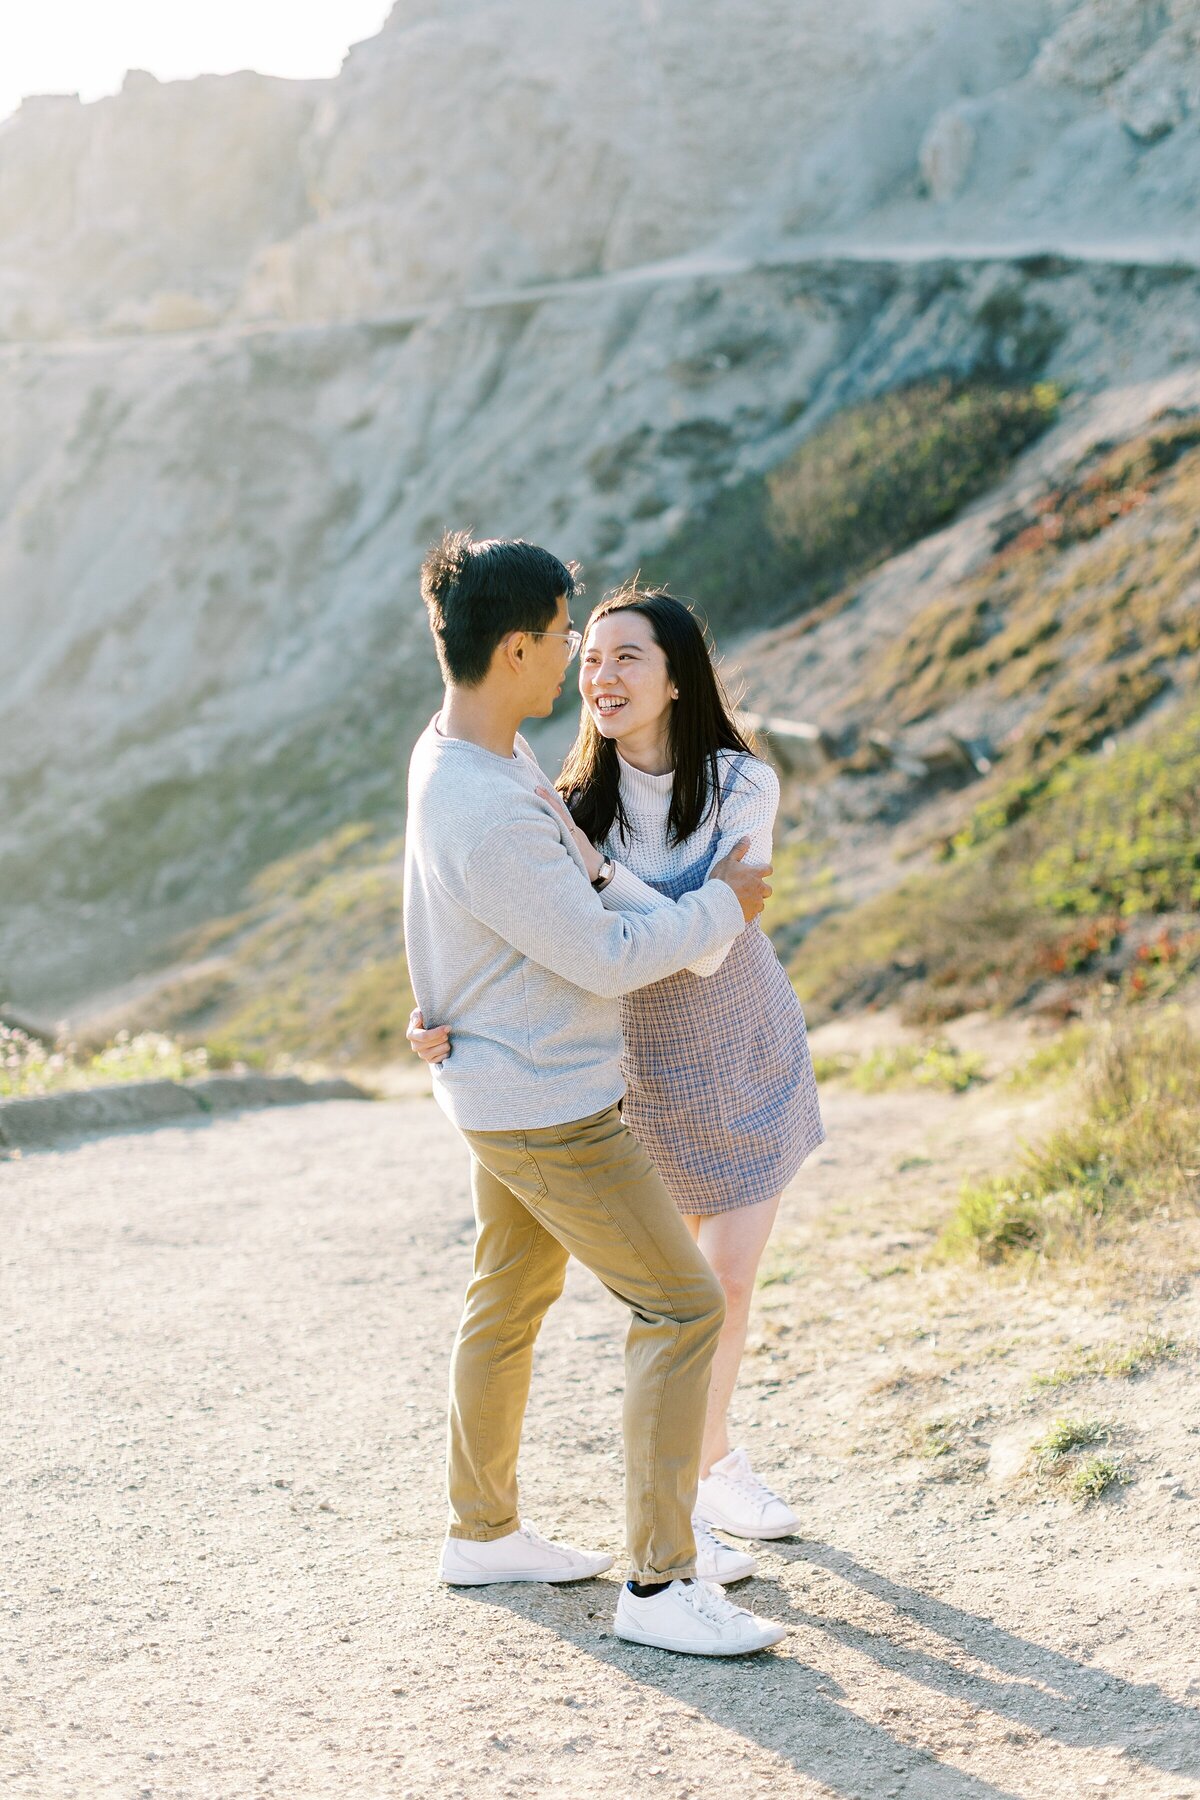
pixel 574 640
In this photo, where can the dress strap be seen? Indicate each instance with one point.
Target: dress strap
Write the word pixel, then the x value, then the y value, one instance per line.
pixel 731 775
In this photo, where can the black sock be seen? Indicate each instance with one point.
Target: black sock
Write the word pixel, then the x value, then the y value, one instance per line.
pixel 642 1590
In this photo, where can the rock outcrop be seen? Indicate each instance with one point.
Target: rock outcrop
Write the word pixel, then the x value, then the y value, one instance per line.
pixel 141 212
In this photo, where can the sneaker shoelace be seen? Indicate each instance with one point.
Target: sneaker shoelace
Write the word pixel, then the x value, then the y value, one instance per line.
pixel 704 1537
pixel 535 1538
pixel 711 1603
pixel 747 1482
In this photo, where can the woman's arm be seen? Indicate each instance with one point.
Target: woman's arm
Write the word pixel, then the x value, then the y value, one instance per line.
pixel 432 1046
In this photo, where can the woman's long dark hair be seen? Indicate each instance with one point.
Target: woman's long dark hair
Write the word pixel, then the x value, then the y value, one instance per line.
pixel 701 724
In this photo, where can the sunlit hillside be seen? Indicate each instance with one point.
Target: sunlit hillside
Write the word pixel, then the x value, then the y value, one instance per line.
pixel 828 329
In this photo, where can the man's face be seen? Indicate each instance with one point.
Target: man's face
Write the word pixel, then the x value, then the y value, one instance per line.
pixel 546 659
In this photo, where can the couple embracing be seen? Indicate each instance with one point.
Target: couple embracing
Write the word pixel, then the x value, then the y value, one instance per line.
pixel 616 1042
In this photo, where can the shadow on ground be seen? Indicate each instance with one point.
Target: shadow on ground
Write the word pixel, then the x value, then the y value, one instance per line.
pixel 800 1714
pixel 1054 1695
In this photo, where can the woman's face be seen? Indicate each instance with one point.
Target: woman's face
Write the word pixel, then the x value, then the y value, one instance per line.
pixel 623 677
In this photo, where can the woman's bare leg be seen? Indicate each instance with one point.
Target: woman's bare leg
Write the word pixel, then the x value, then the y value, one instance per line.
pixel 733 1242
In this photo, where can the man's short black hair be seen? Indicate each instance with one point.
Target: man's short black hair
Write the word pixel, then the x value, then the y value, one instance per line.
pixel 477 593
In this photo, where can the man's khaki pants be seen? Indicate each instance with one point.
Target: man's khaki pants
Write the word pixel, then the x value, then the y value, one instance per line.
pixel 586 1189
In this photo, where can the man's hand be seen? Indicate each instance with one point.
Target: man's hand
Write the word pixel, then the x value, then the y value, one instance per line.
pixel 593 860
pixel 747 883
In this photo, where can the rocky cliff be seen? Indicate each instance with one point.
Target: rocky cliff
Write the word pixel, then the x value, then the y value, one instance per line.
pixel 266 338
pixel 477 144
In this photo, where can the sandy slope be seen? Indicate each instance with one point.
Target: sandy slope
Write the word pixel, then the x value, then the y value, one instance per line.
pixel 223 1364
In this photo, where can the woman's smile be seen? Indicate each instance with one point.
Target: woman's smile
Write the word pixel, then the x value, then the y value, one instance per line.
pixel 626 686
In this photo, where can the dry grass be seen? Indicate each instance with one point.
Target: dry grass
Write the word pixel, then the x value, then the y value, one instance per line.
pixel 1134 1149
pixel 1113 1362
pixel 312 968
pixel 1085 634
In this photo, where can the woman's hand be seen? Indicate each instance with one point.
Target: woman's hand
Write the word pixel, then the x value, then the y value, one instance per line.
pixel 432 1046
pixel 592 857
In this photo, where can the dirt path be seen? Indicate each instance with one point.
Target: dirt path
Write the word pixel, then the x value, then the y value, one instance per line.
pixel 223 1361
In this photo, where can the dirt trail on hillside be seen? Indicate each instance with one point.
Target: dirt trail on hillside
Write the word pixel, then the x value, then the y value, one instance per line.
pixel 224 1359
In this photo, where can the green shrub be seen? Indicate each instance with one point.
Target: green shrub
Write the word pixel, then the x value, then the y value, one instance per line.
pixel 29 1067
pixel 938 1065
pixel 1088 639
pixel 1094 1476
pixel 1113 1361
pixel 994 1219
pixel 1054 1060
pixel 1126 830
pixel 871 481
pixel 1059 1458
pixel 1066 1435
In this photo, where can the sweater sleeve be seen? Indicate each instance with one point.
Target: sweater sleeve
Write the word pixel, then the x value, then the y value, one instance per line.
pixel 749 812
pixel 523 883
pixel 628 893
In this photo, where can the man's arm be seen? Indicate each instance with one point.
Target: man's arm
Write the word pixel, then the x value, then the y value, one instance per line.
pixel 524 884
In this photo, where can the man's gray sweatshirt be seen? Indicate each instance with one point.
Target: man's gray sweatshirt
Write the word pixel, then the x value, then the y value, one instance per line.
pixel 510 945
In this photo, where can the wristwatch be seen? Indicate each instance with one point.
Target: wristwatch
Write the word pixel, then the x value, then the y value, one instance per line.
pixel 607 870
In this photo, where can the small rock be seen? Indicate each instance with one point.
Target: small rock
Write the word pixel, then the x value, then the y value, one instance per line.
pixel 1151 115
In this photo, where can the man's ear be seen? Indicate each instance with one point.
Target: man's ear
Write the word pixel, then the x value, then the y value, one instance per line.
pixel 512 647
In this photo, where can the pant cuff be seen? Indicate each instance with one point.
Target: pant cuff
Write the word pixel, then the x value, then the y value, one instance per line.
pixel 483 1534
pixel 682 1572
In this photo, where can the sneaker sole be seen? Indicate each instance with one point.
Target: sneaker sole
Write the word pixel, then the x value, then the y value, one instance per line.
pixel 711 1516
pixel 483 1579
pixel 682 1649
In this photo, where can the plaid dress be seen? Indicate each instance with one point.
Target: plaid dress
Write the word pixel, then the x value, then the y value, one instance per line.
pixel 719 1080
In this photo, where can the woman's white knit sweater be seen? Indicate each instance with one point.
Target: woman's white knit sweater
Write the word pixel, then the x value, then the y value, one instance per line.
pixel 749 812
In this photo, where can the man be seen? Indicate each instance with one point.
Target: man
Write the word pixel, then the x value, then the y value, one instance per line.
pixel 511 946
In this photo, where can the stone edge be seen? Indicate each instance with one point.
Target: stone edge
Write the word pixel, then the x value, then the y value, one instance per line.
pixel 39 1121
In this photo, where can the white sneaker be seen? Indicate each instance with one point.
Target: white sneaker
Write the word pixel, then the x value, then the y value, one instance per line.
pixel 732 1498
pixel 523 1555
pixel 719 1562
pixel 694 1618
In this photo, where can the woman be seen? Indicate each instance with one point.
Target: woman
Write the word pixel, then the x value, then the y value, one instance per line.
pixel 719 1080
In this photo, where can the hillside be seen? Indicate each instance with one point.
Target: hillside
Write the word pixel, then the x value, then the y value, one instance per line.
pixel 1033 686
pixel 1005 815
pixel 235 412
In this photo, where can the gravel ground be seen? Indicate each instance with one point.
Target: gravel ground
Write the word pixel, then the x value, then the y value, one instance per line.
pixel 224 1357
